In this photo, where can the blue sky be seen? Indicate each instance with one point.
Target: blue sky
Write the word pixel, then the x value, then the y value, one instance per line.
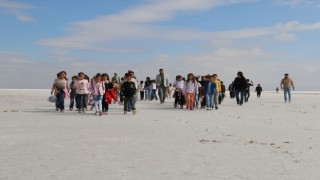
pixel 262 38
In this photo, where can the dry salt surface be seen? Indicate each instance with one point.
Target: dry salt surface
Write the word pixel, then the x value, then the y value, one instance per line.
pixel 263 139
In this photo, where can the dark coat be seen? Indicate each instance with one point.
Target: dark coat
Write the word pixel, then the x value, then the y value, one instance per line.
pixel 258 89
pixel 128 89
pixel 240 84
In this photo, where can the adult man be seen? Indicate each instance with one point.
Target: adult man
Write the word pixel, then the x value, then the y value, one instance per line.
pixel 287 84
pixel 162 81
pixel 116 77
pixel 240 85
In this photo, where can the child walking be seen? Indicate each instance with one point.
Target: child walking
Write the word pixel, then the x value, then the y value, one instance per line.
pixel 129 90
pixel 154 90
pixel 108 85
pixel 179 98
pixel 190 91
pixel 72 92
pixel 97 89
pixel 209 90
pixel 147 89
pixel 60 88
pixel 82 90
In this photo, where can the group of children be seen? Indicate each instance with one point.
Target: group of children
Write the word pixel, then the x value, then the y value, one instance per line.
pixel 100 91
pixel 193 92
pixel 206 92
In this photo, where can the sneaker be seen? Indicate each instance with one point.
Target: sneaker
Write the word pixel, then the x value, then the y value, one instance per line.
pixel 134 112
pixel 97 113
pixel 216 107
pixel 79 111
pixel 70 109
pixel 175 105
pixel 62 111
pixel 101 113
pixel 125 112
pixel 57 109
pixel 208 109
pixel 84 110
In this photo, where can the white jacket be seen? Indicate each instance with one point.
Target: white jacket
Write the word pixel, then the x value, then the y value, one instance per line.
pixel 191 87
pixel 166 80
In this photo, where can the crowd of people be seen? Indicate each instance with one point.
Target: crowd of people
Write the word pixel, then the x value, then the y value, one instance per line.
pixel 201 92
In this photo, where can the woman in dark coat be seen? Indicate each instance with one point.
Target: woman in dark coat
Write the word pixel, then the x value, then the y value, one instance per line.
pixel 240 85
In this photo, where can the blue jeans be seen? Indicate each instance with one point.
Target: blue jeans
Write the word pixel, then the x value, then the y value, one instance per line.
pixel 153 95
pixel 241 94
pixel 147 93
pixel 130 102
pixel 60 100
pixel 287 94
pixel 209 100
pixel 196 100
pixel 81 101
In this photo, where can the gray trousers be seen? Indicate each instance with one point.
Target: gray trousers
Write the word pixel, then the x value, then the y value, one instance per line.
pixel 162 93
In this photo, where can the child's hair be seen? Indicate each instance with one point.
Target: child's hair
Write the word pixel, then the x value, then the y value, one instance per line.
pixel 193 79
pixel 81 73
pixel 148 79
pixel 74 77
pixel 127 74
pixel 141 82
pixel 86 77
pixel 178 77
pixel 105 75
pixel 131 72
pixel 97 76
pixel 64 72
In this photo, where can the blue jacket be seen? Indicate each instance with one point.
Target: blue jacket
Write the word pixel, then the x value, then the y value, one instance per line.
pixel 212 88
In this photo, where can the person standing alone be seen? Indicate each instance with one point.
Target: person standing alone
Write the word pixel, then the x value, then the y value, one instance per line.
pixel 258 90
pixel 287 84
pixel 162 82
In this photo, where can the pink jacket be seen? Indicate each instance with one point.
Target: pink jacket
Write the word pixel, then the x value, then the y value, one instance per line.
pixel 97 88
pixel 82 86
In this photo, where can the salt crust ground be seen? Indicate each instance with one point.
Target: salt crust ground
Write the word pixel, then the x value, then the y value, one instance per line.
pixel 264 139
